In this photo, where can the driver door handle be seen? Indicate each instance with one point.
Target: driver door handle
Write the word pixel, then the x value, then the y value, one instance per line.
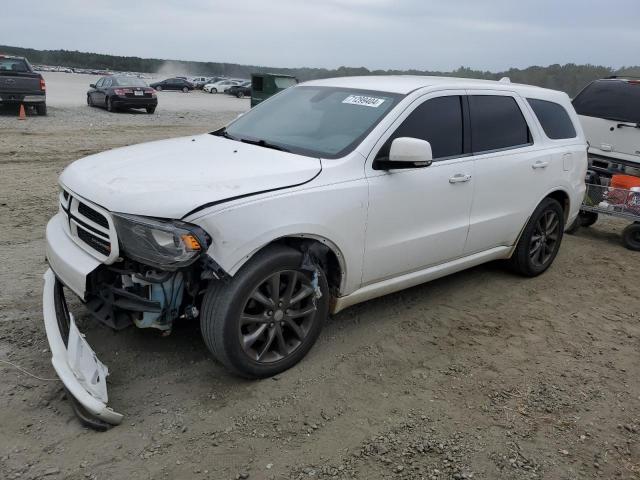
pixel 459 178
pixel 540 164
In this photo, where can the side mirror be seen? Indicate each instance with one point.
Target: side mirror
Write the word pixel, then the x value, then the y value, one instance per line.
pixel 406 152
pixel 92 85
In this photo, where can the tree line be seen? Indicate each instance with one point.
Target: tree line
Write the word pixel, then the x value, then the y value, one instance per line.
pixel 570 78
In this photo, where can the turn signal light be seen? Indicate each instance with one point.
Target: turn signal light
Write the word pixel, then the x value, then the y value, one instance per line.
pixel 191 242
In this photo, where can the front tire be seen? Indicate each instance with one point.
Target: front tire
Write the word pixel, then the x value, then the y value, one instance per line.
pixel 158 88
pixel 109 105
pixel 268 316
pixel 213 90
pixel 540 240
pixel 240 94
pixel 185 89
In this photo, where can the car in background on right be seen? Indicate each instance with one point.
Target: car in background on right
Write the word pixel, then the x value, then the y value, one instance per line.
pixel 242 90
pixel 221 86
pixel 175 83
pixel 609 111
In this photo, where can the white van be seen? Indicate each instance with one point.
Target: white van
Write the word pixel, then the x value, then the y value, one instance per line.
pixel 609 111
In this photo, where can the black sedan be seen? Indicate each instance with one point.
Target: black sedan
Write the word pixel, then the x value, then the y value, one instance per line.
pixel 116 92
pixel 173 84
pixel 240 91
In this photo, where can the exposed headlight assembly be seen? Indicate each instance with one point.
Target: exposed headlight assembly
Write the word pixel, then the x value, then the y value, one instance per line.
pixel 164 244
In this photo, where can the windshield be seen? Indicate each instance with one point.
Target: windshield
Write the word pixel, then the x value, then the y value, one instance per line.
pixel 616 100
pixel 315 121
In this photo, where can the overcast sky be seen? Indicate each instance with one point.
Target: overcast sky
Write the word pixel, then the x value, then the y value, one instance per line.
pixel 423 34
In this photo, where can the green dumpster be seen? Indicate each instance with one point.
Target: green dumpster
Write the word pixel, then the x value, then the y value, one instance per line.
pixel 264 85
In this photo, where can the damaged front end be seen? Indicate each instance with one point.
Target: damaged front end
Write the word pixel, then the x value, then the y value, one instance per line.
pixel 157 278
pixel 142 271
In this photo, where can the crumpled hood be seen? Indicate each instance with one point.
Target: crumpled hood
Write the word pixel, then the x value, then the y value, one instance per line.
pixel 170 178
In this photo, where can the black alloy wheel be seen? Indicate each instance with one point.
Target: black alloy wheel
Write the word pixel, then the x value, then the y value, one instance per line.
pixel 543 242
pixel 268 316
pixel 277 316
pixel 540 240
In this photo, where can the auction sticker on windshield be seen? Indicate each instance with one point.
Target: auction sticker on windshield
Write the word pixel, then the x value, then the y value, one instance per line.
pixel 364 101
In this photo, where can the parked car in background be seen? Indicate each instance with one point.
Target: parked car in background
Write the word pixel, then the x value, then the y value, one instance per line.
pixel 220 87
pixel 116 92
pixel 241 90
pixel 173 84
pixel 199 82
pixel 265 85
pixel 609 111
pixel 20 84
pixel 332 193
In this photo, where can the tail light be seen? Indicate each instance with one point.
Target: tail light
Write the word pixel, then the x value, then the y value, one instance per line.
pixel 150 91
pixel 122 91
pixel 43 87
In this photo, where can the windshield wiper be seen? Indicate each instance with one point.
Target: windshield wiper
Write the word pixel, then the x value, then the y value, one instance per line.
pixel 223 133
pixel 265 144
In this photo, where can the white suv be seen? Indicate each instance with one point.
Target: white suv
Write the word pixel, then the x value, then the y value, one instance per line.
pixel 328 194
pixel 609 110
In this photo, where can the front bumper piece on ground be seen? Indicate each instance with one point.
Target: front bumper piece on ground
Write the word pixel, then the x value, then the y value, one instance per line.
pixel 83 375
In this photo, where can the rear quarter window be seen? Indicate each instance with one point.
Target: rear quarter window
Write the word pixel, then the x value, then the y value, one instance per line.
pixel 554 119
pixel 617 100
pixel 497 123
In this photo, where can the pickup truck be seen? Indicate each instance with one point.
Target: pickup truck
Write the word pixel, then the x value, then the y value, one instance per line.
pixel 19 84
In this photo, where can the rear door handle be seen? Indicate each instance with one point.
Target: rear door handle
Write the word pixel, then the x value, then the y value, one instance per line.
pixel 459 178
pixel 540 164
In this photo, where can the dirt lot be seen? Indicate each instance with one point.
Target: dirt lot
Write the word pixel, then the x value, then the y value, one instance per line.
pixel 481 375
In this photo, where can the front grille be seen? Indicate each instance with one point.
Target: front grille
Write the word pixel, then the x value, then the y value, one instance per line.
pixel 92 215
pixel 95 242
pixel 90 227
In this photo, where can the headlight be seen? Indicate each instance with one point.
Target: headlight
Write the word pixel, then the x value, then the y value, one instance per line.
pixel 168 245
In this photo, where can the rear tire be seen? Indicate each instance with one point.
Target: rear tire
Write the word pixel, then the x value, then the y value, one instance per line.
pixel 41 108
pixel 150 110
pixel 587 219
pixel 540 240
pixel 631 237
pixel 255 332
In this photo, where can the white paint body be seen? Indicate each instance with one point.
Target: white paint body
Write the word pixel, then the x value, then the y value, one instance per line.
pixel 381 224
pixel 389 229
pixel 608 140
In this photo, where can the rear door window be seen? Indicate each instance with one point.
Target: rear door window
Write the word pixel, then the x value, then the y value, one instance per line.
pixel 497 123
pixel 617 100
pixel 438 121
pixel 554 119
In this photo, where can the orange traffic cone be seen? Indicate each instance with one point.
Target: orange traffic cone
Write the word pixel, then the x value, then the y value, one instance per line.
pixel 22 115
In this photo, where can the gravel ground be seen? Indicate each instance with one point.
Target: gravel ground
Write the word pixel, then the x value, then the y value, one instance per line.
pixel 479 375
